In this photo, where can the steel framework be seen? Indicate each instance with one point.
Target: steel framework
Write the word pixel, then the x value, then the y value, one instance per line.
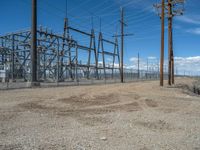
pixel 59 57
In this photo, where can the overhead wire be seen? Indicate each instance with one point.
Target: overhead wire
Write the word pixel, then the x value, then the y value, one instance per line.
pixel 85 27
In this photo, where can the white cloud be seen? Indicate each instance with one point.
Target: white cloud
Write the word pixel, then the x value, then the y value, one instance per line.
pixel 152 57
pixel 182 64
pixel 133 59
pixel 152 63
pixel 195 19
pixel 194 31
pixel 194 59
pixel 187 64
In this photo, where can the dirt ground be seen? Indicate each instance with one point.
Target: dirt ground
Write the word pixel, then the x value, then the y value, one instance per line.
pixel 131 116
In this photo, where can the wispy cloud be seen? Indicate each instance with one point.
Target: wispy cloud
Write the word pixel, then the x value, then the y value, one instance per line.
pixel 193 59
pixel 133 59
pixel 152 57
pixel 195 19
pixel 194 31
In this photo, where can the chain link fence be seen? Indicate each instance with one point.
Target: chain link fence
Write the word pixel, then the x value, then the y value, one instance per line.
pixel 130 75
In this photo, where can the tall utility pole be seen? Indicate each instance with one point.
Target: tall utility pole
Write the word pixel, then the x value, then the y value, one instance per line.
pixel 122 35
pixel 34 43
pixel 174 9
pixel 162 16
pixel 170 42
pixel 138 65
pixel 173 81
pixel 162 42
pixel 172 57
pixel 122 45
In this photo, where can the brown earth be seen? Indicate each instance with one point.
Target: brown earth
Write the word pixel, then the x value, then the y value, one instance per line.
pixel 141 116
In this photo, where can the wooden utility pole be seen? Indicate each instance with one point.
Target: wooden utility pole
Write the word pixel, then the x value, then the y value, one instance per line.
pixel 170 42
pixel 173 9
pixel 172 56
pixel 122 35
pixel 34 43
pixel 162 43
pixel 173 80
pixel 122 45
pixel 138 65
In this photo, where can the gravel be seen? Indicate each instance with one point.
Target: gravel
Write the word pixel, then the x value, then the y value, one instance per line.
pixel 139 116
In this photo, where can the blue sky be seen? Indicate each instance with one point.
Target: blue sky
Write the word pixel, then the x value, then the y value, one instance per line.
pixel 139 15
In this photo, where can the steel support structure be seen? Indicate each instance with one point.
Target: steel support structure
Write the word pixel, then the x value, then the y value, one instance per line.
pixel 58 57
pixel 104 53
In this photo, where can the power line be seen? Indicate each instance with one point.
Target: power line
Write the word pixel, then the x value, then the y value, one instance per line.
pixel 80 4
pixel 58 16
pixel 130 16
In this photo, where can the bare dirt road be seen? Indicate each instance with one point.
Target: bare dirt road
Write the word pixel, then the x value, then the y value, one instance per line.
pixel 131 116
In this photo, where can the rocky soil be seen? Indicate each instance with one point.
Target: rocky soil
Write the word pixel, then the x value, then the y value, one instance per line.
pixel 139 116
